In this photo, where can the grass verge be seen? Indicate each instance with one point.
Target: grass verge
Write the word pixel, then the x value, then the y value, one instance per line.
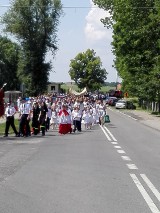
pixel 3 125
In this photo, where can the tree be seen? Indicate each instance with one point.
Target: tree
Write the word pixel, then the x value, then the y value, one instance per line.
pixel 135 43
pixel 9 57
pixel 86 70
pixel 34 23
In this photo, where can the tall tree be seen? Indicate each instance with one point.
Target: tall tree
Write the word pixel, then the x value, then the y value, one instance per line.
pixel 9 57
pixel 86 70
pixel 34 23
pixel 135 43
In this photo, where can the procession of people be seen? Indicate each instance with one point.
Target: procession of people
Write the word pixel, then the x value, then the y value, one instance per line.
pixel 66 114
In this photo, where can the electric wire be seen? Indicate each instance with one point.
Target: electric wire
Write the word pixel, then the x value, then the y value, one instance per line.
pixel 84 7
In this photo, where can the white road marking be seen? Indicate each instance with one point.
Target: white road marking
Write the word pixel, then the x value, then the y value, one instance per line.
pixel 126 158
pixel 114 142
pixel 145 195
pixel 110 133
pixel 105 133
pixel 132 166
pixel 127 115
pixel 151 186
pixel 30 141
pixel 124 114
pixel 117 147
pixel 121 151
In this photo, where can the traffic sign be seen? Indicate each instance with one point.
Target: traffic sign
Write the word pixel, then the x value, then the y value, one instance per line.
pixel 126 94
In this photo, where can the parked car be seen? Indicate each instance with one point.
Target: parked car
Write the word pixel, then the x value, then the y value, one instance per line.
pixel 111 101
pixel 124 104
pixel 121 104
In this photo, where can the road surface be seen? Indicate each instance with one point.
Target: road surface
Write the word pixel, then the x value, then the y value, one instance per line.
pixel 109 169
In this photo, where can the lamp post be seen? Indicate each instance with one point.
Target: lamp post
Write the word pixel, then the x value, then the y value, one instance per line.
pixel 2 63
pixel 116 79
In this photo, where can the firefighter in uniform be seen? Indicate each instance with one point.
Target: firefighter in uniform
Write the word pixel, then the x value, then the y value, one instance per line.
pixel 9 113
pixel 35 115
pixel 43 116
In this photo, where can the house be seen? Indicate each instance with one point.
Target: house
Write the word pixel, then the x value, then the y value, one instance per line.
pixel 54 87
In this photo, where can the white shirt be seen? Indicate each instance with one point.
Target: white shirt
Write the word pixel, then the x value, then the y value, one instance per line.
pixel 54 114
pixel 10 111
pixel 49 113
pixel 25 108
pixel 76 115
pixel 64 119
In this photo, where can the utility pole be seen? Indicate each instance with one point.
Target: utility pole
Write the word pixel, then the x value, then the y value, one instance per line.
pixel 116 79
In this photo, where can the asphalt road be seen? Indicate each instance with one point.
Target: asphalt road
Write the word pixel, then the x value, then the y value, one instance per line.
pixel 110 169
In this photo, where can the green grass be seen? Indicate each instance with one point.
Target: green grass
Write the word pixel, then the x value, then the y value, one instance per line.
pixel 106 89
pixel 66 87
pixel 2 127
pixel 156 113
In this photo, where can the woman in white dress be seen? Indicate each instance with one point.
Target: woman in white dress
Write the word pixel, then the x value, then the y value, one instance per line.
pixel 54 118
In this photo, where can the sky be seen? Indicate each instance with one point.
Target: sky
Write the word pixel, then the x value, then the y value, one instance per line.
pixel 79 29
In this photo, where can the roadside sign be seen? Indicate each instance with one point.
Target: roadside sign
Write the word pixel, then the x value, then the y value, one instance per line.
pixel 126 94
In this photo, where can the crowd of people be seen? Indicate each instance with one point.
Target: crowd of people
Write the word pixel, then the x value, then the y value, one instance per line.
pixel 66 114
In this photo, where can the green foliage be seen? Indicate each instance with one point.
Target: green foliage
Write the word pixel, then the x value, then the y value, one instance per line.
pixel 9 56
pixel 136 44
pixel 86 70
pixel 34 23
pixel 111 84
pixel 106 89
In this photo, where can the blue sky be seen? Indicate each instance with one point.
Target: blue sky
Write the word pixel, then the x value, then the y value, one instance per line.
pixel 79 29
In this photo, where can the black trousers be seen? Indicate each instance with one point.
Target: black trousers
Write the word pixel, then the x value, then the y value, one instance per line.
pixel 43 124
pixel 35 126
pixel 10 122
pixel 77 125
pixel 47 123
pixel 24 127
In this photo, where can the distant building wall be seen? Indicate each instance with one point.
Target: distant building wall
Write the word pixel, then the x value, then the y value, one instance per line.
pixel 54 87
pixel 12 96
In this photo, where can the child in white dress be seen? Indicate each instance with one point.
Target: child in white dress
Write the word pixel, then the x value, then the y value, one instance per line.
pixel 86 117
pixel 95 116
pixel 54 118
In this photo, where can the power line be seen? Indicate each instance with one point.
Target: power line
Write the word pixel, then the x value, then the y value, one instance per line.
pixel 83 7
pixel 66 7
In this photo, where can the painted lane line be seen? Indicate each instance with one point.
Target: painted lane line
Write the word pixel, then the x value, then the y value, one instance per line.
pixel 121 151
pixel 132 166
pixel 145 195
pixel 114 142
pixel 110 133
pixel 117 147
pixel 126 158
pixel 131 117
pixel 151 186
pixel 127 115
pixel 105 134
pixel 123 114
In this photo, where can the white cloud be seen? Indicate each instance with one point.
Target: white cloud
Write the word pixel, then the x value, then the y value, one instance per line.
pixel 94 29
